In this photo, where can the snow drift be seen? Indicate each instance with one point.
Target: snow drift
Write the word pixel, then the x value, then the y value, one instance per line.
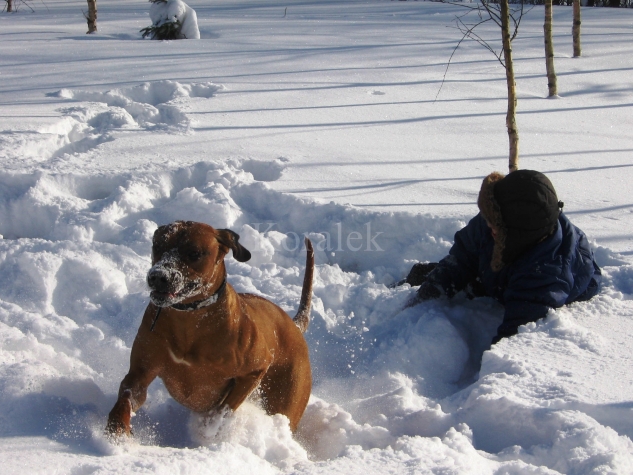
pixel 403 383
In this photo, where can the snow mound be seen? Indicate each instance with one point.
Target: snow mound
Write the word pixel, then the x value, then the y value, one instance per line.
pixel 265 170
pixel 161 12
pixel 267 437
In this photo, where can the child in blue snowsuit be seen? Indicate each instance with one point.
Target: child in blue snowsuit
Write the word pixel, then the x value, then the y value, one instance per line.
pixel 520 249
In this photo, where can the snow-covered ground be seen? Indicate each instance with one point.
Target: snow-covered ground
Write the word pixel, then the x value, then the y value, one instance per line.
pixel 316 117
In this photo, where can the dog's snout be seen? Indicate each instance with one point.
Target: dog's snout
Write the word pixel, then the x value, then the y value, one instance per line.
pixel 157 279
pixel 166 283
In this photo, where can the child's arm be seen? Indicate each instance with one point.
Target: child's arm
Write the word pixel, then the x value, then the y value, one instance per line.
pixel 461 266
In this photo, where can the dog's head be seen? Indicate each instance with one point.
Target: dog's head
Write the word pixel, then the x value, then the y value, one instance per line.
pixel 188 261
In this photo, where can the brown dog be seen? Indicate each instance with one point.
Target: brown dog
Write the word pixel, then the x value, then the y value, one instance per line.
pixel 211 346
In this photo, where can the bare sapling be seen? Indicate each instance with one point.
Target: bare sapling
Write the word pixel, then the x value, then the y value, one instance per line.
pixel 91 17
pixel 549 51
pixel 508 20
pixel 575 29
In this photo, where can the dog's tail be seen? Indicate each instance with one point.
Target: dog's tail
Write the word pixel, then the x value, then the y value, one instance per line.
pixel 302 318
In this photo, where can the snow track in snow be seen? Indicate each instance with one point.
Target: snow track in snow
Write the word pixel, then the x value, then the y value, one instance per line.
pixel 153 106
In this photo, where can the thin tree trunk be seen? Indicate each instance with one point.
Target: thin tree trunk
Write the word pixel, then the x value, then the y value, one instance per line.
pixel 9 5
pixel 549 50
pixel 511 124
pixel 92 16
pixel 575 30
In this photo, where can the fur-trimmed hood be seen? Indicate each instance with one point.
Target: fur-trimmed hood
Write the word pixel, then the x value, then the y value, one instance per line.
pixel 491 212
pixel 522 209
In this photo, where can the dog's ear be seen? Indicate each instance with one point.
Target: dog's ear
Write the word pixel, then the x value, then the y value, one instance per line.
pixel 157 232
pixel 231 240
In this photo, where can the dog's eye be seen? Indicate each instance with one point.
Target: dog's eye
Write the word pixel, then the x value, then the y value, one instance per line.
pixel 194 256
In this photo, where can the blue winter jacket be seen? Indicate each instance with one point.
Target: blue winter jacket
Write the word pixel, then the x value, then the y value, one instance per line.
pixel 557 271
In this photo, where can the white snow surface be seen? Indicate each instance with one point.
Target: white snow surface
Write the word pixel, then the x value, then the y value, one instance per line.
pixel 176 10
pixel 314 117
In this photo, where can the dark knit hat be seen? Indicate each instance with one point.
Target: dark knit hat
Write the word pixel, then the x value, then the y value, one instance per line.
pixel 523 209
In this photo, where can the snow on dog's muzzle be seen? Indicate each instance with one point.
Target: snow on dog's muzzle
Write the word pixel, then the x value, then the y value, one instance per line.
pixel 166 282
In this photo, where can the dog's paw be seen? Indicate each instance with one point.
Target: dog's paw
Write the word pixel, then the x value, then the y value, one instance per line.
pixel 116 429
pixel 119 418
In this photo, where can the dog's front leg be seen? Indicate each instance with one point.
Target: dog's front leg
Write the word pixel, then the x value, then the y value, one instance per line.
pixel 132 395
pixel 243 386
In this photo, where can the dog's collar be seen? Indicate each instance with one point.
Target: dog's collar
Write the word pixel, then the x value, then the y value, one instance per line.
pixel 198 304
pixel 184 307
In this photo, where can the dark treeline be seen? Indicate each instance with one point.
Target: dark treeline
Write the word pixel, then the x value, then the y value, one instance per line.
pixel 589 3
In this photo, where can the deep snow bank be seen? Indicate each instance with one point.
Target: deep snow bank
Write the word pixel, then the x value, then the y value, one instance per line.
pixel 72 266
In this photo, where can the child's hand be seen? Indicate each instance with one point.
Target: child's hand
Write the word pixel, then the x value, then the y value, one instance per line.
pixel 427 291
